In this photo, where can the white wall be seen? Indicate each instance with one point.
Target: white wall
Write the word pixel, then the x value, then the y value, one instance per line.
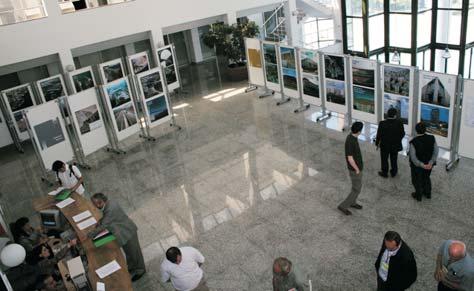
pixel 60 33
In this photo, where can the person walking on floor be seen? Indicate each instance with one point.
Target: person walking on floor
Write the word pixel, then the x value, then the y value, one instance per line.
pixel 423 154
pixel 454 267
pixel 355 166
pixel 389 139
pixel 285 277
pixel 124 229
pixel 395 265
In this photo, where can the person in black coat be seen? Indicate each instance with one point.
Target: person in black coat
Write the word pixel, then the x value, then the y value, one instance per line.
pixel 395 265
pixel 389 139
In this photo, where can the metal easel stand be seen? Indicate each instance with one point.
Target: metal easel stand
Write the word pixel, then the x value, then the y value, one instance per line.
pixel 168 99
pixel 44 172
pixel 136 97
pixel 454 153
pixel 303 106
pixel 179 90
pixel 347 78
pixel 284 99
pixel 109 128
pixel 9 120
pixel 73 134
pixel 325 114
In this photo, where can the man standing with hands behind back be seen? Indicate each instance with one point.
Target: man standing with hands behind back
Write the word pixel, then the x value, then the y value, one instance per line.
pixel 355 166
pixel 389 139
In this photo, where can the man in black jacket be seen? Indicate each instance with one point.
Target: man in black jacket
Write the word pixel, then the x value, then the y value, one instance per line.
pixel 395 265
pixel 389 139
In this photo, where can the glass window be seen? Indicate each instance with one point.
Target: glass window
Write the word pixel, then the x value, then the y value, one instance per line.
pixel 318 32
pixel 424 29
pixel 400 30
pixel 355 39
pixel 354 8
pixel 400 5
pixel 467 64
pixel 375 6
pixel 453 62
pixel 427 60
pixel 424 4
pixel 470 26
pixel 450 3
pixel 376 32
pixel 68 6
pixel 373 57
pixel 13 11
pixel 423 60
pixel 448 27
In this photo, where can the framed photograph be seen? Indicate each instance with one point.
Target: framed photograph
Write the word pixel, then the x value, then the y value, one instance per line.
pixel 167 59
pixel 397 80
pixel 309 62
pixel 271 65
pixel 51 88
pixel 49 133
pixel 157 108
pixel 139 63
pixel 118 93
pixel 334 67
pixel 111 71
pixel 150 83
pixel 335 92
pixel 82 79
pixel 288 66
pixel 19 98
pixel 88 119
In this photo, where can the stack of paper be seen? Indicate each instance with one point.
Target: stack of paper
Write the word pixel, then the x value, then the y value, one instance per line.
pixel 86 223
pixel 81 216
pixel 108 269
pixel 65 203
pixel 55 192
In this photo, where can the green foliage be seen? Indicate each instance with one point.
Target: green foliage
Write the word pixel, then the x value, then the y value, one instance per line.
pixel 229 39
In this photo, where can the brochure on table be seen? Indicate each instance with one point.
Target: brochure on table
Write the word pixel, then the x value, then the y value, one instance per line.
pixel 310 76
pixel 288 71
pixel 364 90
pixel 466 136
pixel 271 66
pixel 167 59
pixel 254 61
pixel 335 83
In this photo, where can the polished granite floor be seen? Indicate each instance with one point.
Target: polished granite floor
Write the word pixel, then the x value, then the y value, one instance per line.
pixel 246 181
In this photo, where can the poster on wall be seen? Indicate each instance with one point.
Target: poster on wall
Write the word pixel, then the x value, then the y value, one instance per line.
pixel 51 88
pixel 254 61
pixel 364 90
pixel 139 63
pixel 82 79
pixel 437 93
pixel 398 92
pixel 167 60
pixel 271 66
pixel 288 71
pixel 335 92
pixel 309 62
pixel 18 99
pixel 156 104
pixel 111 71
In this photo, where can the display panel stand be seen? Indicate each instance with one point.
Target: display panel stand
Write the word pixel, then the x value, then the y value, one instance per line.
pixel 284 99
pixel 179 90
pixel 144 126
pixel 454 153
pixel 11 127
pixel 325 114
pixel 167 96
pixel 303 106
pixel 267 92
pixel 251 87
pixel 348 73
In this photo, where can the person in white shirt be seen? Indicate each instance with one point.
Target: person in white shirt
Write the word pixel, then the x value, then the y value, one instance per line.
pixel 182 266
pixel 69 177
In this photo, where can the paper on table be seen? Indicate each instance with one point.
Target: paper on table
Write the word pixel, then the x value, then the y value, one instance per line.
pixel 108 269
pixel 55 192
pixel 100 286
pixel 65 202
pixel 86 223
pixel 81 216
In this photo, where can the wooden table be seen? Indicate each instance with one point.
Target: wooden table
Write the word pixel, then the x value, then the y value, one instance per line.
pixel 97 257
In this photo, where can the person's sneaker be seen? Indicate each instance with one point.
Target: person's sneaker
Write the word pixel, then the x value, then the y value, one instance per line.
pixel 137 277
pixel 415 197
pixel 428 196
pixel 345 211
pixel 393 174
pixel 356 206
pixel 381 174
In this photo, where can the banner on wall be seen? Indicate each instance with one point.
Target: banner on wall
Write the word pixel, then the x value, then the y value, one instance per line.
pixel 335 83
pixel 437 97
pixel 51 88
pixel 49 133
pixel 254 61
pixel 153 97
pixel 398 83
pixel 16 100
pixel 364 90
pixel 309 62
pixel 167 59
pixel 88 121
pixel 466 135
pixel 288 71
pixel 111 71
pixel 82 79
pixel 271 66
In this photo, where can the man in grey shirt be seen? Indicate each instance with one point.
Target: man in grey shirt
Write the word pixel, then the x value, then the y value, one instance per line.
pixel 423 154
pixel 285 278
pixel 454 267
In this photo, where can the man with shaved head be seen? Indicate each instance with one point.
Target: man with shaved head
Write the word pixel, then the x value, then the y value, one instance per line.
pixel 285 278
pixel 454 267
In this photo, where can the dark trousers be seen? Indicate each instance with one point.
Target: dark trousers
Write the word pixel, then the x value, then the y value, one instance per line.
pixel 442 287
pixel 382 286
pixel 134 256
pixel 384 155
pixel 420 179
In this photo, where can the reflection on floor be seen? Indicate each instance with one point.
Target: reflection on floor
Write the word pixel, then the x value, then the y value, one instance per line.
pixel 246 181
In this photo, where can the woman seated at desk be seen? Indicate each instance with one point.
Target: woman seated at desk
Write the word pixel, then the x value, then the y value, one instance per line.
pixel 47 262
pixel 25 235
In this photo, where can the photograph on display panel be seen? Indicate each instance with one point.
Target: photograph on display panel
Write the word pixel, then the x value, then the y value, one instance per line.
pixel 83 80
pixel 271 66
pixel 396 80
pixel 311 85
pixel 335 92
pixel 435 92
pixel 309 62
pixel 436 119
pixel 151 85
pixel 88 119
pixel 363 77
pixel 402 104
pixel 112 70
pixel 288 64
pixel 364 99
pixel 157 108
pixel 20 121
pixel 19 98
pixel 49 133
pixel 118 93
pixel 170 75
pixel 125 116
pixel 165 56
pixel 52 88
pixel 139 62
pixel 254 58
pixel 334 67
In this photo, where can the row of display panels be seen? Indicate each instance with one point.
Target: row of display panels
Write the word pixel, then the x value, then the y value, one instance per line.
pixel 371 89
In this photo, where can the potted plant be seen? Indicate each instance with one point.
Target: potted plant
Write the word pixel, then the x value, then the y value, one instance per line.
pixel 228 40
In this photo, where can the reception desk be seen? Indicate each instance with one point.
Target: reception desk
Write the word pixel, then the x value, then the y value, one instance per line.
pixel 96 257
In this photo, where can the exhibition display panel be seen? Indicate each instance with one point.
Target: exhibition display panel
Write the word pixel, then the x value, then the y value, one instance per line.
pixel 16 100
pixel 82 79
pixel 437 93
pixel 51 88
pixel 466 147
pixel 153 99
pixel 398 92
pixel 88 120
pixel 254 61
pixel 5 137
pixel 138 63
pixel 309 63
pixel 111 71
pixel 288 71
pixel 364 90
pixel 335 83
pixel 48 132
pixel 167 59
pixel 272 75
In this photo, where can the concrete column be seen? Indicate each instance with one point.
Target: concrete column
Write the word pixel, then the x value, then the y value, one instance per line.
pixel 293 29
pixel 197 57
pixel 65 56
